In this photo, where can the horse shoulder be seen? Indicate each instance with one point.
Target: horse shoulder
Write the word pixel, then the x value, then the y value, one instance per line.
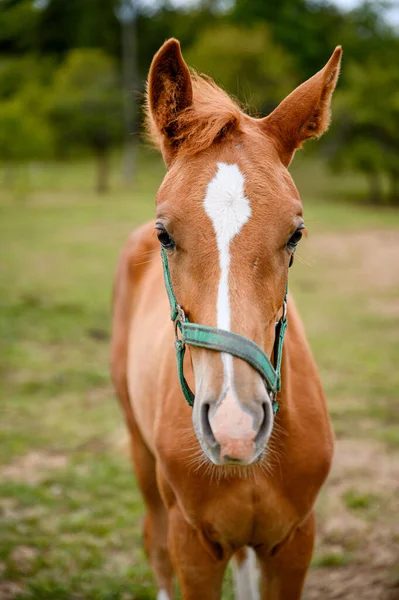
pixel 307 397
pixel 131 268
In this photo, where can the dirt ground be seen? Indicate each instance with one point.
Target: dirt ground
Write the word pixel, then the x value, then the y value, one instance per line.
pixel 358 522
pixel 357 550
pixel 369 541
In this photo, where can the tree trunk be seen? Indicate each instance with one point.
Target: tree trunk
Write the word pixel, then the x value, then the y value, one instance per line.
pixel 394 190
pixel 102 170
pixel 130 84
pixel 375 187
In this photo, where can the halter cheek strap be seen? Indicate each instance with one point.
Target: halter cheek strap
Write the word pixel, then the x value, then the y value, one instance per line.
pixel 220 340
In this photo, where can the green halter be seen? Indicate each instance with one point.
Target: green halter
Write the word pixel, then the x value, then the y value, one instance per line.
pixel 220 340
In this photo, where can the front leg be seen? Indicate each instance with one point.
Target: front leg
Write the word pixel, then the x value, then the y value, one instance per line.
pixel 283 575
pixel 199 573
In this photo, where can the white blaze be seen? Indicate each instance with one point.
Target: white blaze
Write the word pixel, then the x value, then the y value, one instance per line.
pixel 229 209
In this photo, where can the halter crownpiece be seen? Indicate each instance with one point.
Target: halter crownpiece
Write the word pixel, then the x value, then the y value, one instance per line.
pixel 220 340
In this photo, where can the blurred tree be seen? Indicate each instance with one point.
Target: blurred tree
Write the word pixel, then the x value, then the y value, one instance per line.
pixel 154 27
pixel 246 62
pixel 24 130
pixel 307 30
pixel 19 72
pixel 18 26
pixel 366 126
pixel 85 107
pixel 128 16
pixel 66 24
pixel 24 134
pixel 254 49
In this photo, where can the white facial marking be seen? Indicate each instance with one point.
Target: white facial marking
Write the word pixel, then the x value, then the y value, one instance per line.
pixel 246 577
pixel 229 209
pixel 163 595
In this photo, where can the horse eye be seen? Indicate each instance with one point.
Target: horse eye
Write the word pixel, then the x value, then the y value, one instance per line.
pixel 165 239
pixel 295 238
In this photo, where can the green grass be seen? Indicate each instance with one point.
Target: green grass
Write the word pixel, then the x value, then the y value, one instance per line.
pixel 73 529
pixel 332 559
pixel 355 500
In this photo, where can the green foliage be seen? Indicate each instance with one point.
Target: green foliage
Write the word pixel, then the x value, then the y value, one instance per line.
pixel 307 30
pixel 18 26
pixel 154 27
pixel 367 124
pixel 85 106
pixel 24 129
pixel 246 62
pixel 372 97
pixel 256 50
pixel 76 109
pixel 92 23
pixel 18 73
pixel 23 133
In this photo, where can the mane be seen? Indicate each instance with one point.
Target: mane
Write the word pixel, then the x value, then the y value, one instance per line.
pixel 211 116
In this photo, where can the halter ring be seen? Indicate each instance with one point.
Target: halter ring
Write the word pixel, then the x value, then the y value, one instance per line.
pixel 180 318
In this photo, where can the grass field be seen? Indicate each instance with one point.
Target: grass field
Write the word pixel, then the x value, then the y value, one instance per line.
pixel 70 511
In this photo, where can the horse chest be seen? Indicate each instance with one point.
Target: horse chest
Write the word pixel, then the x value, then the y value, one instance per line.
pixel 233 514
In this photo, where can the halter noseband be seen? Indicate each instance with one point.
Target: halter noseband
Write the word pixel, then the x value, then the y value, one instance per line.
pixel 220 340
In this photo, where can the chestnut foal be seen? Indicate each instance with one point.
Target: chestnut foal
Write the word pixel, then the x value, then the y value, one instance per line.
pixel 237 474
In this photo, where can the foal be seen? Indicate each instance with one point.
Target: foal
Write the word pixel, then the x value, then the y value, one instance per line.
pixel 238 474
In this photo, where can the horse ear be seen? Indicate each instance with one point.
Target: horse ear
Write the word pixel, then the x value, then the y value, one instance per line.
pixel 169 92
pixel 305 113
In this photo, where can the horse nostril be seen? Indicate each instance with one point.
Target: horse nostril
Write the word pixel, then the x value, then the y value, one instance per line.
pixel 266 422
pixel 206 426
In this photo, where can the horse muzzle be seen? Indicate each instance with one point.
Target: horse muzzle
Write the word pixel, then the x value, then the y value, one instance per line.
pixel 231 432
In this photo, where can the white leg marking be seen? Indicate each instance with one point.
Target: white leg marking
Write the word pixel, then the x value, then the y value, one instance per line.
pixel 163 595
pixel 246 578
pixel 229 209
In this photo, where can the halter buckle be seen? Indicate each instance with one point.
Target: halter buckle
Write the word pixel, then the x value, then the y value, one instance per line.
pixel 285 310
pixel 180 318
pixel 273 400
